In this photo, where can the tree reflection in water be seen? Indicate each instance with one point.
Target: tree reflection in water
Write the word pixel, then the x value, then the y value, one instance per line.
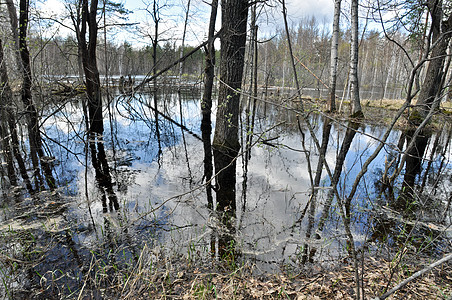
pixel 103 176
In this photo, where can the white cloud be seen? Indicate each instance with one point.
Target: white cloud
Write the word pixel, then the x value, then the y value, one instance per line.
pixel 51 8
pixel 320 9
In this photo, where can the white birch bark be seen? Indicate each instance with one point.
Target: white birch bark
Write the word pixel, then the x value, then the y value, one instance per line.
pixel 354 84
pixel 334 56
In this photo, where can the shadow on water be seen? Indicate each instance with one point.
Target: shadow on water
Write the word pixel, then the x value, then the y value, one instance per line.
pixel 162 195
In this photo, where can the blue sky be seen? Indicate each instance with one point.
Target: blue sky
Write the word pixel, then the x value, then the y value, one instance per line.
pixel 173 17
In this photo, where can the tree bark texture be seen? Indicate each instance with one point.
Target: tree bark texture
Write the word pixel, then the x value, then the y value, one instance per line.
pixel 89 61
pixel 34 136
pixel 26 95
pixel 355 100
pixel 432 83
pixel 5 102
pixel 155 41
pixel 334 56
pixel 226 143
pixel 9 117
pixel 206 103
pixel 12 13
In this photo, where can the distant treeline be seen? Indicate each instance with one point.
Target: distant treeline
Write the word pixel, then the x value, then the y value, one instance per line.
pixel 383 67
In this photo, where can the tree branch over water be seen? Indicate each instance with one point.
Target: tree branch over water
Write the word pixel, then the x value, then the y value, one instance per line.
pixel 149 78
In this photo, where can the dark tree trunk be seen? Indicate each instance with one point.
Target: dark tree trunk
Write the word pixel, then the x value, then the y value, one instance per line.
pixel 89 61
pixel 155 92
pixel 15 32
pixel 7 98
pixel 26 95
pixel 155 42
pixel 5 102
pixel 206 104
pixel 34 135
pixel 226 143
pixel 432 84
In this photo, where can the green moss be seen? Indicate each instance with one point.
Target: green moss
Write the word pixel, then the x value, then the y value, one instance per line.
pixel 447 112
pixel 415 117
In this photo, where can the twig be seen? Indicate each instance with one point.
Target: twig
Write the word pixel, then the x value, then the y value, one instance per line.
pixel 91 265
pixel 414 276
pixel 149 78
pixel 208 182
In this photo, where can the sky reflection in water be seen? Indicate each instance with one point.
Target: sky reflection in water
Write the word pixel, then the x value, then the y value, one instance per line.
pixel 278 182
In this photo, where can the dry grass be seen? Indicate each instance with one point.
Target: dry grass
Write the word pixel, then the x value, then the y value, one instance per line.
pixel 382 112
pixel 182 279
pixel 395 104
pixel 391 104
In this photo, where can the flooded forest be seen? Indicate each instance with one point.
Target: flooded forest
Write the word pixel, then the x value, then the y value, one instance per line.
pixel 232 149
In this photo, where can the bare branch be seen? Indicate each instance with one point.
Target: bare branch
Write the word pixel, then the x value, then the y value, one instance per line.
pixel 414 276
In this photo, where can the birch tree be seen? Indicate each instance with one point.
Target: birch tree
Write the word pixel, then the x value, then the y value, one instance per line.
pixel 355 100
pixel 334 56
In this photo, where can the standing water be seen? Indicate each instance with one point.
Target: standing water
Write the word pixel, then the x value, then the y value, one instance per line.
pixel 121 193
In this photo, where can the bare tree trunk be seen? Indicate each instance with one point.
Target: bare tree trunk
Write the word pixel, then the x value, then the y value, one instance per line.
pixel 12 13
pixel 155 41
pixel 9 118
pixel 89 61
pixel 388 77
pixel 234 14
pixel 432 84
pixel 5 100
pixel 206 104
pixel 334 56
pixel 181 53
pixel 226 145
pixel 251 110
pixel 289 43
pixel 26 95
pixel 255 62
pixel 355 100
